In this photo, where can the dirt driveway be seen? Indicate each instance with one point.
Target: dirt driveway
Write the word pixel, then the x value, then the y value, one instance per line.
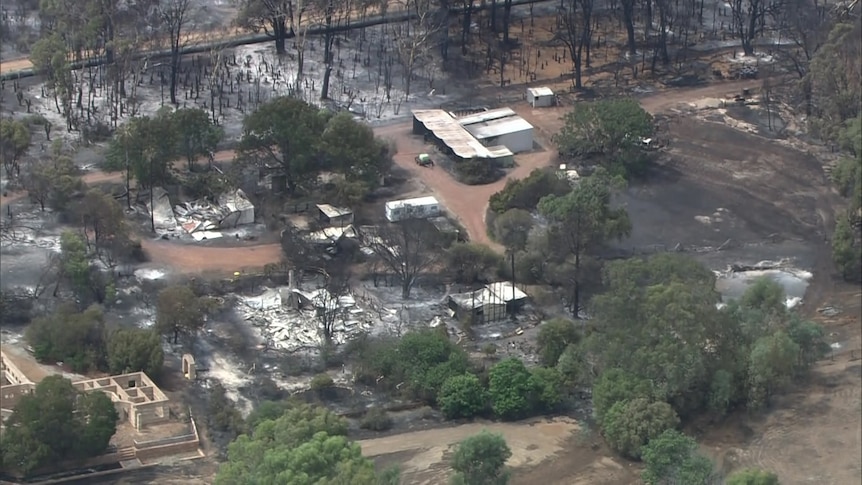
pixel 468 203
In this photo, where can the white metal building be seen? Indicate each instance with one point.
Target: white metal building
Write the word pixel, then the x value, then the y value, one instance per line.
pixel 418 208
pixel 513 132
pixel 540 97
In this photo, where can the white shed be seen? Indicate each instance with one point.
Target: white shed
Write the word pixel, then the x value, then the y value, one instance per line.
pixel 418 208
pixel 540 97
pixel 513 132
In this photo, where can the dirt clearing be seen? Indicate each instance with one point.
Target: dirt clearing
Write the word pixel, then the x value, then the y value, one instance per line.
pixel 423 455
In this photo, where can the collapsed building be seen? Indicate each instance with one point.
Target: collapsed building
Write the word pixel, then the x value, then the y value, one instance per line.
pixel 492 303
pixel 137 399
pixel 200 218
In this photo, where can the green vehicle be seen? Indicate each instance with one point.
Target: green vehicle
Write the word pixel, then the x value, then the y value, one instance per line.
pixel 425 160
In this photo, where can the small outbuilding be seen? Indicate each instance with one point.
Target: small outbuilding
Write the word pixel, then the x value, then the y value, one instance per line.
pixel 418 208
pixel 489 304
pixel 540 97
pixel 334 216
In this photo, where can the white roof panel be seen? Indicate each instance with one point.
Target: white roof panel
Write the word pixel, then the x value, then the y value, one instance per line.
pixel 539 92
pixel 499 127
pixel 417 202
pixel 489 115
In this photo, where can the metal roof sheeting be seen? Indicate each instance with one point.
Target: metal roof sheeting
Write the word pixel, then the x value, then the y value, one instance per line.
pixel 493 114
pixel 452 134
pixel 539 92
pixel 495 128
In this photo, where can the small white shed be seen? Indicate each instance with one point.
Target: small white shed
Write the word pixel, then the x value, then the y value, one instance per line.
pixel 540 97
pixel 418 208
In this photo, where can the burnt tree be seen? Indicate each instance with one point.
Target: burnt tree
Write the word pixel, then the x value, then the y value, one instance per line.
pixel 407 248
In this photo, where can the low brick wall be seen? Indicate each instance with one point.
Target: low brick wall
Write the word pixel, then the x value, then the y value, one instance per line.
pixel 164 450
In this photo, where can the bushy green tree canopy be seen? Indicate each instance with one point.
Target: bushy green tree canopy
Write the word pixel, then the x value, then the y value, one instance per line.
pixel 56 424
pixel 481 460
pixel 306 445
pixel 462 397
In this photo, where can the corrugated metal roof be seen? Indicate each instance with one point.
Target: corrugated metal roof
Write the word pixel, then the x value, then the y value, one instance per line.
pixel 492 114
pixel 452 134
pixel 495 128
pixel 539 92
pixel 506 291
pixel 333 212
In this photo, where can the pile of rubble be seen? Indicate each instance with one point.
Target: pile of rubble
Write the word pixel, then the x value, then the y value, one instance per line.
pixel 291 319
pixel 200 218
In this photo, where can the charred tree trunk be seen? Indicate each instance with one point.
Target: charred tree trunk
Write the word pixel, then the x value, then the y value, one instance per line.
pixel 628 21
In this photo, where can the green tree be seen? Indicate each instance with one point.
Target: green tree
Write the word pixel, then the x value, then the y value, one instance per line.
pixel 284 133
pixel 512 229
pixel 772 364
pixel 811 339
pixel 617 385
pixel 67 335
pixel 610 130
pixel 55 424
pixel 583 221
pixel 549 383
pixel 554 337
pixel 102 217
pixel 305 445
pixel 629 425
pixel 512 389
pixel 481 460
pixel 144 148
pixel 832 85
pixel 50 57
pixel 132 350
pixel 571 366
pixel 430 358
pixel 526 193
pixel 53 180
pixel 766 295
pixel 197 136
pixel 75 262
pixel 846 248
pixel 462 397
pixel 179 311
pixel 657 317
pixel 350 147
pixel 752 476
pixel 15 140
pixel 672 457
pixel 472 262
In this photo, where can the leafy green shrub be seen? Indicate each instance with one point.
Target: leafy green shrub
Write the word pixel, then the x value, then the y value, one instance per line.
pixel 629 425
pixel 672 457
pixel 549 383
pixel 376 419
pixel 527 192
pixel 554 336
pixel 753 476
pixel 462 397
pixel 512 389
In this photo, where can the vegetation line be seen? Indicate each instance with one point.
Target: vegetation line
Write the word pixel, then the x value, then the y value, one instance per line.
pixel 237 41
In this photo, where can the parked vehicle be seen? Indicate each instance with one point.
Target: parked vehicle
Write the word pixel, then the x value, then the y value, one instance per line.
pixel 424 160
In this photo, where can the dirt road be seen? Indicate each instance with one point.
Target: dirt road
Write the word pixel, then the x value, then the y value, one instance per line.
pixel 421 454
pixel 193 259
pixel 468 203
